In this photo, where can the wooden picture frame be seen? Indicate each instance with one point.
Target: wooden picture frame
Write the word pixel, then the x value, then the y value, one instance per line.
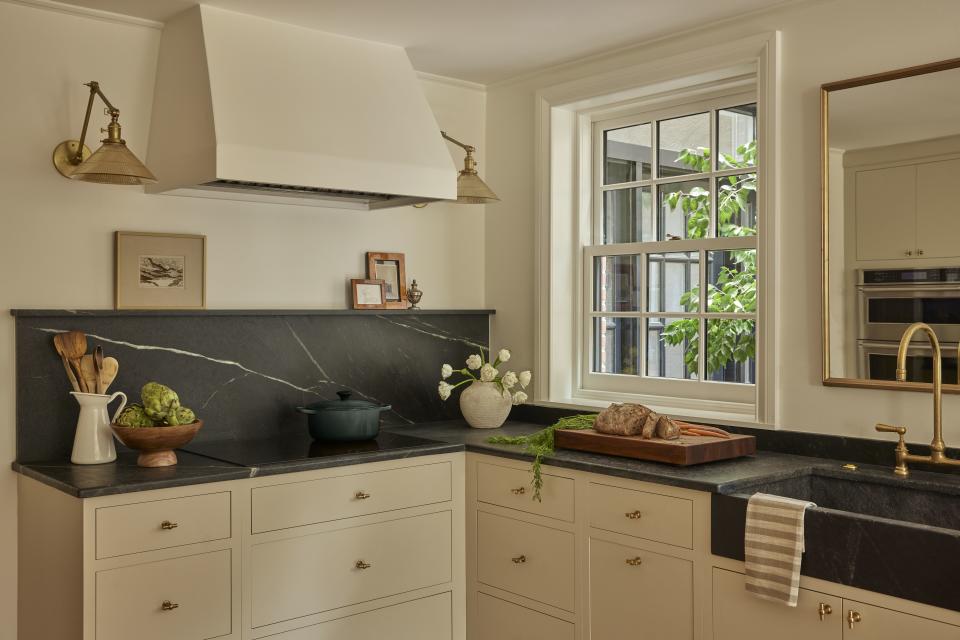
pixel 362 290
pixel 155 271
pixel 392 269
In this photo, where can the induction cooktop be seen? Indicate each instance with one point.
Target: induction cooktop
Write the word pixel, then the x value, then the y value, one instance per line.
pixel 291 448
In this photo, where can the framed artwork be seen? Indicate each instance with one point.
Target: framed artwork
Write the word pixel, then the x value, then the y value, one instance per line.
pixel 160 271
pixel 368 294
pixel 391 268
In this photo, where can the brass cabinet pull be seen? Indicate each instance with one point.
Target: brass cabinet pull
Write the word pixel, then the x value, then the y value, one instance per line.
pixel 362 565
pixel 919 252
pixel 519 559
pixel 519 491
pixel 824 610
pixel 166 525
pixel 635 562
pixel 361 495
pixel 853 617
pixel 166 605
pixel 634 515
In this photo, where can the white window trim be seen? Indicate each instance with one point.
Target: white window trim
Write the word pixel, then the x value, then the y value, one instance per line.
pixel 564 157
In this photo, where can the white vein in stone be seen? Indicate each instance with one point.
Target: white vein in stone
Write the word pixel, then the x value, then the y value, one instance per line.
pixel 462 340
pixel 221 388
pixel 307 351
pixel 189 354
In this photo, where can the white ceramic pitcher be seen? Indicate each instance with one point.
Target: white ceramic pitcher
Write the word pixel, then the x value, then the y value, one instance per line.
pixel 93 442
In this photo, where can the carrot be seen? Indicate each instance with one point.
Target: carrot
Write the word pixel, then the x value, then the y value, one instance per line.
pixel 703 432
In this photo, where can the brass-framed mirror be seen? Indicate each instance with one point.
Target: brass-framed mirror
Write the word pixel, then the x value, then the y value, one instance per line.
pixel 890 163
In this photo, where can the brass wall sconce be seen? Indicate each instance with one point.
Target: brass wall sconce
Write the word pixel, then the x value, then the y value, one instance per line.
pixel 113 163
pixel 470 188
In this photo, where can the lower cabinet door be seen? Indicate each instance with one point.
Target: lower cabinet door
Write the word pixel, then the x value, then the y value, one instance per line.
pixel 739 615
pixel 501 620
pixel 875 623
pixel 636 593
pixel 424 619
pixel 183 598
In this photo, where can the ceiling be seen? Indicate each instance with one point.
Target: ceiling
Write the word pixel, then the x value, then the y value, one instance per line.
pixel 485 41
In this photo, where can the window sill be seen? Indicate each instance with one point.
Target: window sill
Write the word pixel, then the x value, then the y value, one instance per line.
pixel 716 415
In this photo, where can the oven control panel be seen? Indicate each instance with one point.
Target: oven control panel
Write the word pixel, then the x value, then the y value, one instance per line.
pixel 910 276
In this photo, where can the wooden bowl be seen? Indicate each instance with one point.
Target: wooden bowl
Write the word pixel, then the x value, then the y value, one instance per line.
pixel 156 444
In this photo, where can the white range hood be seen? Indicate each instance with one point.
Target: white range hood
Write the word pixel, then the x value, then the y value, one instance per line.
pixel 251 109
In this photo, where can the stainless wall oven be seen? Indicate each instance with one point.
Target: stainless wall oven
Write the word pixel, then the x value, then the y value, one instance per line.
pixel 889 301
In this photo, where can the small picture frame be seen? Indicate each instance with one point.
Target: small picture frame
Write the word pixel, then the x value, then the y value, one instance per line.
pixel 160 271
pixel 368 294
pixel 392 269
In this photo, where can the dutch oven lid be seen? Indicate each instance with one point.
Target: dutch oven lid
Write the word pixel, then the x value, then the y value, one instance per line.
pixel 343 404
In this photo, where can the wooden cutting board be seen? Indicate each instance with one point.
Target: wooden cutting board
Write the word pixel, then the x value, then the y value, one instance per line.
pixel 684 451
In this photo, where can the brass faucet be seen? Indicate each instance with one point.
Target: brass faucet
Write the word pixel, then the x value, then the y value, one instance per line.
pixel 937 447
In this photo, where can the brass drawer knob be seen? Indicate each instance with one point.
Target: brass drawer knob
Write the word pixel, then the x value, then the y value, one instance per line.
pixel 634 515
pixel 362 565
pixel 166 525
pixel 166 605
pixel 853 617
pixel 519 491
pixel 824 610
pixel 635 562
pixel 519 559
pixel 361 495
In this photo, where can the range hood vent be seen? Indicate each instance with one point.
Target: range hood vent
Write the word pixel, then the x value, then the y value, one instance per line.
pixel 252 109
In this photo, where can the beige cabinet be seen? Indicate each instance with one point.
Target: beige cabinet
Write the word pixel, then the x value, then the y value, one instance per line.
pixel 886 213
pixel 501 620
pixel 509 487
pixel 642 514
pixel 638 593
pixel 876 623
pixel 938 209
pixel 739 615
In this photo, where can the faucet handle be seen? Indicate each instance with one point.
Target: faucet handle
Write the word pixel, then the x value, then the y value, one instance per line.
pixel 887 428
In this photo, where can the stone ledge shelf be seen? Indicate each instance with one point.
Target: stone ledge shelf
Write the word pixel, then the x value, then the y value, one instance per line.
pixel 112 313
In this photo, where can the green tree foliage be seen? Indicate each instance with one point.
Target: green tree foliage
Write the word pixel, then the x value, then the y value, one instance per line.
pixel 728 340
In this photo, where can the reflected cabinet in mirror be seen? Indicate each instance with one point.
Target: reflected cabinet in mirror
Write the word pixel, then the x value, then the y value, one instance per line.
pixel 891 225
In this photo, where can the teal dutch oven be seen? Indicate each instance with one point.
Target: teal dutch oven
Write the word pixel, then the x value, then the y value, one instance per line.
pixel 343 419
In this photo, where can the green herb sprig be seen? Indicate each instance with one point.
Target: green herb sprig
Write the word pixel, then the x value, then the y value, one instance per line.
pixel 541 444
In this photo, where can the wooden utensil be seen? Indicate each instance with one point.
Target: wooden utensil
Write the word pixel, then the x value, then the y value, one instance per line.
pixel 98 366
pixel 59 345
pixel 108 372
pixel 73 345
pixel 88 372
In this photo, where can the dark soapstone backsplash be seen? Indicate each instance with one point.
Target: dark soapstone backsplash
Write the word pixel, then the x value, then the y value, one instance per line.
pixel 244 373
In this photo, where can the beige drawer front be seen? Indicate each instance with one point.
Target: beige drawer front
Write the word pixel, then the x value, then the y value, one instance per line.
pixel 510 488
pixel 130 600
pixel 425 619
pixel 642 514
pixel 649 597
pixel 739 615
pixel 302 503
pixel 300 576
pixel 877 623
pixel 160 524
pixel 501 620
pixel 526 559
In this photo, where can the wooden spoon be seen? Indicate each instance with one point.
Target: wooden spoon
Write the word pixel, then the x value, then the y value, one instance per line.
pixel 88 372
pixel 74 347
pixel 108 371
pixel 60 347
pixel 98 366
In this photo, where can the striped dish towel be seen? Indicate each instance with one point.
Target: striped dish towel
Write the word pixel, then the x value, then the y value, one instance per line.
pixel 773 546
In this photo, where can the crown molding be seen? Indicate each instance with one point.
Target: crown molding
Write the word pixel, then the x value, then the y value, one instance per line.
pixel 86 12
pixel 453 82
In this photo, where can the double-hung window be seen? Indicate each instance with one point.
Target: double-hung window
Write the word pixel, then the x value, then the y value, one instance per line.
pixel 670 274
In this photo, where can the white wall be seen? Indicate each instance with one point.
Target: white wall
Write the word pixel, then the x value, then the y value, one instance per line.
pixel 56 235
pixel 822 41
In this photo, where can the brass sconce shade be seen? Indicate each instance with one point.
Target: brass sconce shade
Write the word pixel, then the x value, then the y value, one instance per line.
pixel 113 163
pixel 470 188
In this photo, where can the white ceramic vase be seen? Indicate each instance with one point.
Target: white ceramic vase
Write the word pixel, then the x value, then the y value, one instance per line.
pixel 484 406
pixel 93 442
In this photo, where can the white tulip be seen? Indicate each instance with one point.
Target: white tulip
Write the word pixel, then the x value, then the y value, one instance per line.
pixel 474 362
pixel 444 390
pixel 525 378
pixel 488 373
pixel 504 355
pixel 509 380
pixel 446 371
pixel 519 397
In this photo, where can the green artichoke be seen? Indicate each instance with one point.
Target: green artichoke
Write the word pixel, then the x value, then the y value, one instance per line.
pixel 181 415
pixel 160 402
pixel 134 416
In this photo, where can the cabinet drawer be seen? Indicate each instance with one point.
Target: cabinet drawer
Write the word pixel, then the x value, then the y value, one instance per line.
pixel 160 524
pixel 877 623
pixel 501 620
pixel 647 593
pixel 301 503
pixel 424 619
pixel 644 515
pixel 130 600
pixel 527 559
pixel 739 615
pixel 507 487
pixel 296 577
